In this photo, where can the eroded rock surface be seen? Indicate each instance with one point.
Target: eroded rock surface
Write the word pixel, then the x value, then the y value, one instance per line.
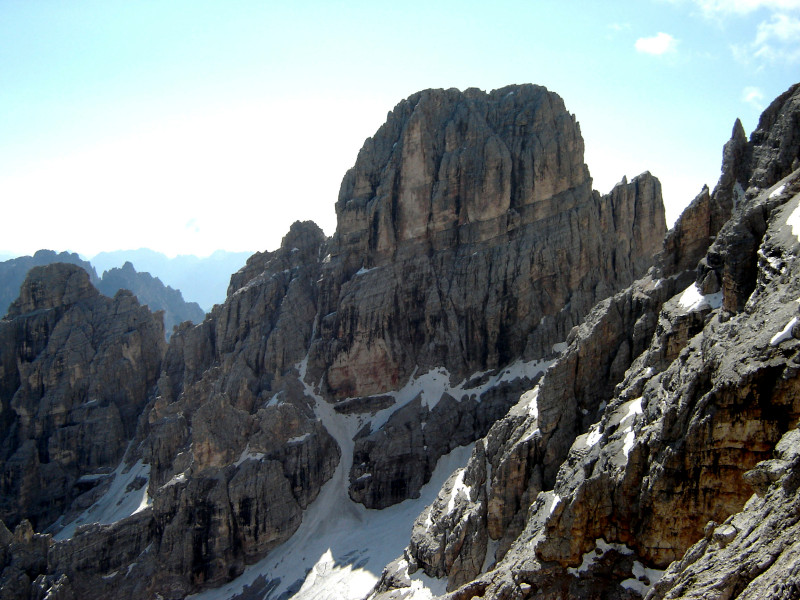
pixel 691 407
pixel 468 237
pixel 76 371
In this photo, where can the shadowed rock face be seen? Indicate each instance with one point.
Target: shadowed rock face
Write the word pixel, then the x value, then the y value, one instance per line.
pixel 77 371
pixel 14 271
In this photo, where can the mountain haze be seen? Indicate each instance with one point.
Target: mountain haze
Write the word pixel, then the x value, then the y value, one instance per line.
pixel 200 280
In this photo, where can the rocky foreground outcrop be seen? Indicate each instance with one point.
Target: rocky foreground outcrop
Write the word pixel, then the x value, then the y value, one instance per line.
pixel 666 435
pixel 469 243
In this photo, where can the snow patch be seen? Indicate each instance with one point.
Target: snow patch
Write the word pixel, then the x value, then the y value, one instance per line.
pixel 784 334
pixel 554 503
pixel 529 402
pixel 459 487
pixel 248 455
pixel 424 587
pixel 595 435
pixel 692 299
pixel 601 547
pixel 122 500
pixel 560 347
pixel 777 191
pixel 634 408
pixel 645 578
pixel 491 554
pixel 630 438
pixel 772 261
pixel 341 547
pixel 436 382
pixel 179 478
pixel 794 222
pixel 364 270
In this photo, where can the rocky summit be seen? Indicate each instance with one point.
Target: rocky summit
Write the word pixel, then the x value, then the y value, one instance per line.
pixel 492 381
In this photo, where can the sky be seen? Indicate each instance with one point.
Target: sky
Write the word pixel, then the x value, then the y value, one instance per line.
pixel 194 126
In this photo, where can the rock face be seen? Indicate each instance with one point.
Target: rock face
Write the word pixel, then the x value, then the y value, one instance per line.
pixel 150 291
pixel 76 371
pixel 14 271
pixel 675 401
pixel 469 244
pixel 468 235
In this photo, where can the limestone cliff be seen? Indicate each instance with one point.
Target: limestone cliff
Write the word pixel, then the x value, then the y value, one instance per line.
pixel 468 236
pixel 676 400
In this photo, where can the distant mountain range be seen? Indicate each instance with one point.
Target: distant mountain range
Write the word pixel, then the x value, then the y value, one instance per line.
pixel 201 280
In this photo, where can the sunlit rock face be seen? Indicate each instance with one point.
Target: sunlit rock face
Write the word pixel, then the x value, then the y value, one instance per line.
pixel 665 437
pixel 468 235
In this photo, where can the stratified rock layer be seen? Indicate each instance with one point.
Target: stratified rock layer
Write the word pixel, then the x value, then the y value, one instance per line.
pixel 468 237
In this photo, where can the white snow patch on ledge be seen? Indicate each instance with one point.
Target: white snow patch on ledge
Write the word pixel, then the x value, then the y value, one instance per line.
pixel 634 408
pixel 117 503
pixel 784 334
pixel 794 222
pixel 555 501
pixel 529 401
pixel 646 578
pixel 630 438
pixel 436 382
pixel 692 299
pixel 601 547
pixel 777 191
pixel 179 478
pixel 459 487
pixel 594 435
pixel 248 455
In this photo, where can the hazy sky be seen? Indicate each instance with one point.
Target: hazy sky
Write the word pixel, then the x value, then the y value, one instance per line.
pixel 190 126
